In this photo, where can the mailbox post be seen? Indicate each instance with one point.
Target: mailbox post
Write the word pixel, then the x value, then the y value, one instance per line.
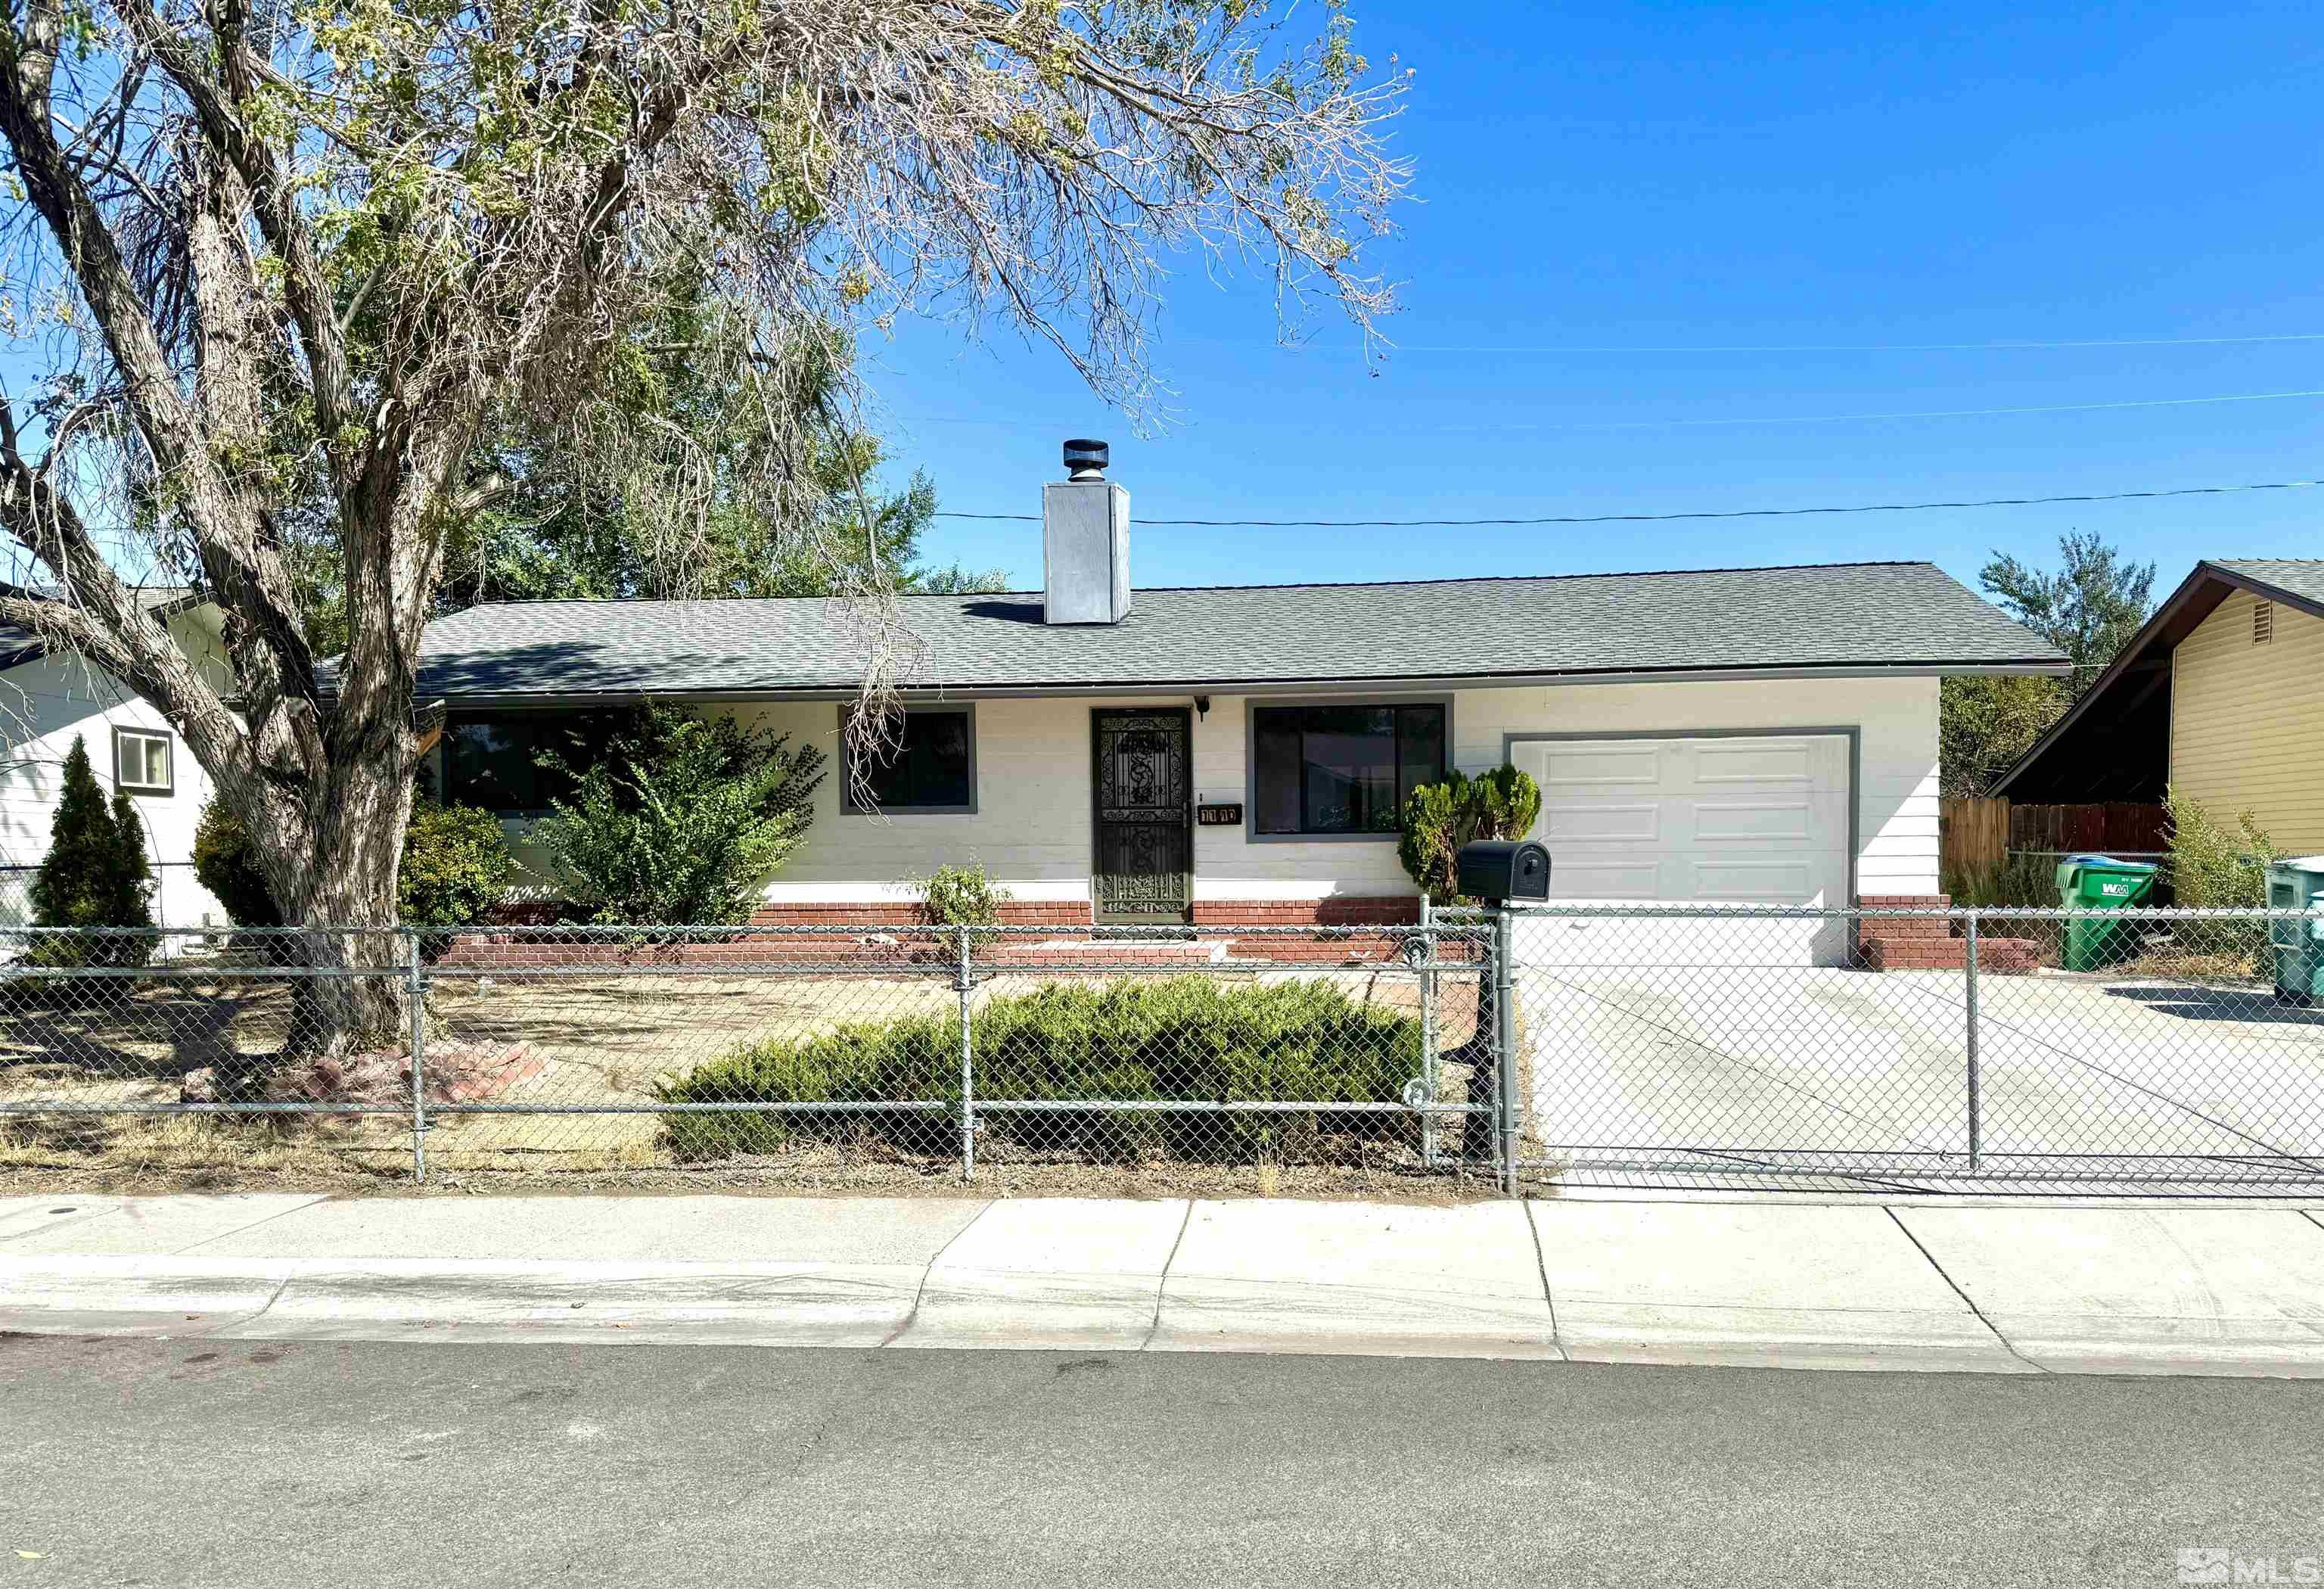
pixel 1497 872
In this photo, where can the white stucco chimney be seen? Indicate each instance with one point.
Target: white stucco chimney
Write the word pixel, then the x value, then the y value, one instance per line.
pixel 1084 541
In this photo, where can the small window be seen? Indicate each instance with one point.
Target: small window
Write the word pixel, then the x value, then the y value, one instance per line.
pixel 1334 769
pixel 142 760
pixel 2263 621
pixel 933 767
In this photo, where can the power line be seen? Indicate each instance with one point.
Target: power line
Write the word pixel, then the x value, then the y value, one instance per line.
pixel 1877 507
pixel 1936 413
pixel 2010 345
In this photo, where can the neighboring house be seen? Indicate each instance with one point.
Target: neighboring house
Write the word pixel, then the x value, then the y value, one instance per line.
pixel 46 695
pixel 2220 696
pixel 1238 753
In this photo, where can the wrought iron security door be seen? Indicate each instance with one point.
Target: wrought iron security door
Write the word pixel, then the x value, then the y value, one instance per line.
pixel 1143 787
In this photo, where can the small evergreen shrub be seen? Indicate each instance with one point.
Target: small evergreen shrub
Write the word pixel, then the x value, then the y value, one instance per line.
pixel 1439 818
pixel 223 864
pixel 961 896
pixel 95 875
pixel 683 821
pixel 1179 1039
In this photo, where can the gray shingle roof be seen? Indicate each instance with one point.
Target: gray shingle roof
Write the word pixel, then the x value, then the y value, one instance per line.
pixel 1845 615
pixel 2302 576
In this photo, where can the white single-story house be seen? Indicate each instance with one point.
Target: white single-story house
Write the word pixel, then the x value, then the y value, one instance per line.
pixel 1238 753
pixel 48 695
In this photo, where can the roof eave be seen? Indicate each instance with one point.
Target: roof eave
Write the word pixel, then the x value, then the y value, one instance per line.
pixel 1001 689
pixel 2190 590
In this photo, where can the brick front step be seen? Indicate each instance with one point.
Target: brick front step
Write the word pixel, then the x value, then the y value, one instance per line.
pixel 2002 957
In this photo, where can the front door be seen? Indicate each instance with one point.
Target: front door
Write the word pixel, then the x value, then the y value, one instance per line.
pixel 1145 838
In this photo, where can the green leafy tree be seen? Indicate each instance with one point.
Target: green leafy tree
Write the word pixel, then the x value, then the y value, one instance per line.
pixel 95 875
pixel 280 281
pixel 2088 607
pixel 683 821
pixel 1985 724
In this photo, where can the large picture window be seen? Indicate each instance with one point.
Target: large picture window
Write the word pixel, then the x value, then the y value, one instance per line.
pixel 497 762
pixel 933 767
pixel 1340 770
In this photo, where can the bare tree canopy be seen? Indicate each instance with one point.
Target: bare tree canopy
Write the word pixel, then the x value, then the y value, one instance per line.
pixel 283 268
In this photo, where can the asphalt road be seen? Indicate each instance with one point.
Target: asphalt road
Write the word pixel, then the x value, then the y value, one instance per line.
pixel 250 1464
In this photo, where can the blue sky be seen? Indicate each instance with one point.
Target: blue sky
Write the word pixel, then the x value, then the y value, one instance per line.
pixel 1662 176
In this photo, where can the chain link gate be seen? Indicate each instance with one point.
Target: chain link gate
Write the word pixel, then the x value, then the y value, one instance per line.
pixel 1952 1049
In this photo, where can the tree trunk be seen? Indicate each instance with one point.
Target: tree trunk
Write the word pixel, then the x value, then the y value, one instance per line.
pixel 343 896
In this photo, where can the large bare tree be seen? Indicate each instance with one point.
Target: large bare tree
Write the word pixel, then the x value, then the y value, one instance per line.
pixel 279 270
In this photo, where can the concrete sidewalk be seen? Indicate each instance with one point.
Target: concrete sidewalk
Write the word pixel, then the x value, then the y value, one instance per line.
pixel 2013 1288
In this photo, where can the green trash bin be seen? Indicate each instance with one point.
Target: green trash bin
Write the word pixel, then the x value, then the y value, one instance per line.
pixel 2094 884
pixel 2297 884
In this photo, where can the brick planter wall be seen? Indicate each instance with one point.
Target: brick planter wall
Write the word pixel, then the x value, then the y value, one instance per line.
pixel 874 936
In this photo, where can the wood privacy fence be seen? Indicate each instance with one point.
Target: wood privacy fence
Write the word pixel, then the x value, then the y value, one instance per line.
pixel 1972 835
pixel 2115 826
pixel 1976 835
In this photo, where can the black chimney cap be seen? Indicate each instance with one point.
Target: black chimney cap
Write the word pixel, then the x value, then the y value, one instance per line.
pixel 1086 454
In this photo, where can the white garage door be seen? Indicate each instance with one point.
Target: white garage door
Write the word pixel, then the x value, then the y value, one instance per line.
pixel 1743 819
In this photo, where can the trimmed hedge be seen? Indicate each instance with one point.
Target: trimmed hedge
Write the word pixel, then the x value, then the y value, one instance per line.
pixel 1181 1040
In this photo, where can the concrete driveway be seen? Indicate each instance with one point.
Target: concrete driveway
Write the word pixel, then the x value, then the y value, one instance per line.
pixel 1855 1069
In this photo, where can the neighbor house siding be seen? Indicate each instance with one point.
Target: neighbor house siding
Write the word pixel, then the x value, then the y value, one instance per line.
pixel 2247 721
pixel 1031 829
pixel 44 702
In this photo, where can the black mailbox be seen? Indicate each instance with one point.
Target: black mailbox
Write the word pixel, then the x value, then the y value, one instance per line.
pixel 1495 870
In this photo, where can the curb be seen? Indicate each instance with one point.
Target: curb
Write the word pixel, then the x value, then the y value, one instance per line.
pixel 876 1305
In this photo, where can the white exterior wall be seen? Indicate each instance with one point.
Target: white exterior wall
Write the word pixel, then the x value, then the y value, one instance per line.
pixel 1031 829
pixel 43 704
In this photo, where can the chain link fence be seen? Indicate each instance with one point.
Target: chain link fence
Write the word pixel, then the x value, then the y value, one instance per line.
pixel 767 1048
pixel 1567 1045
pixel 2028 1049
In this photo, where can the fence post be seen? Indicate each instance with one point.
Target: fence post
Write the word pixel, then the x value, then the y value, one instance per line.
pixel 415 990
pixel 1504 1039
pixel 1968 962
pixel 1427 1036
pixel 965 983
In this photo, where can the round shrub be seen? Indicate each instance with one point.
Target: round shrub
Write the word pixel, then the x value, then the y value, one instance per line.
pixel 456 865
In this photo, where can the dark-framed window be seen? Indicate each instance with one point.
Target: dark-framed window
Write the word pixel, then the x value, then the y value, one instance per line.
pixel 1333 769
pixel 933 767
pixel 145 760
pixel 514 764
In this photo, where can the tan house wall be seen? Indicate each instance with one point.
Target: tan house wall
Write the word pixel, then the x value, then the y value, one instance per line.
pixel 2247 721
